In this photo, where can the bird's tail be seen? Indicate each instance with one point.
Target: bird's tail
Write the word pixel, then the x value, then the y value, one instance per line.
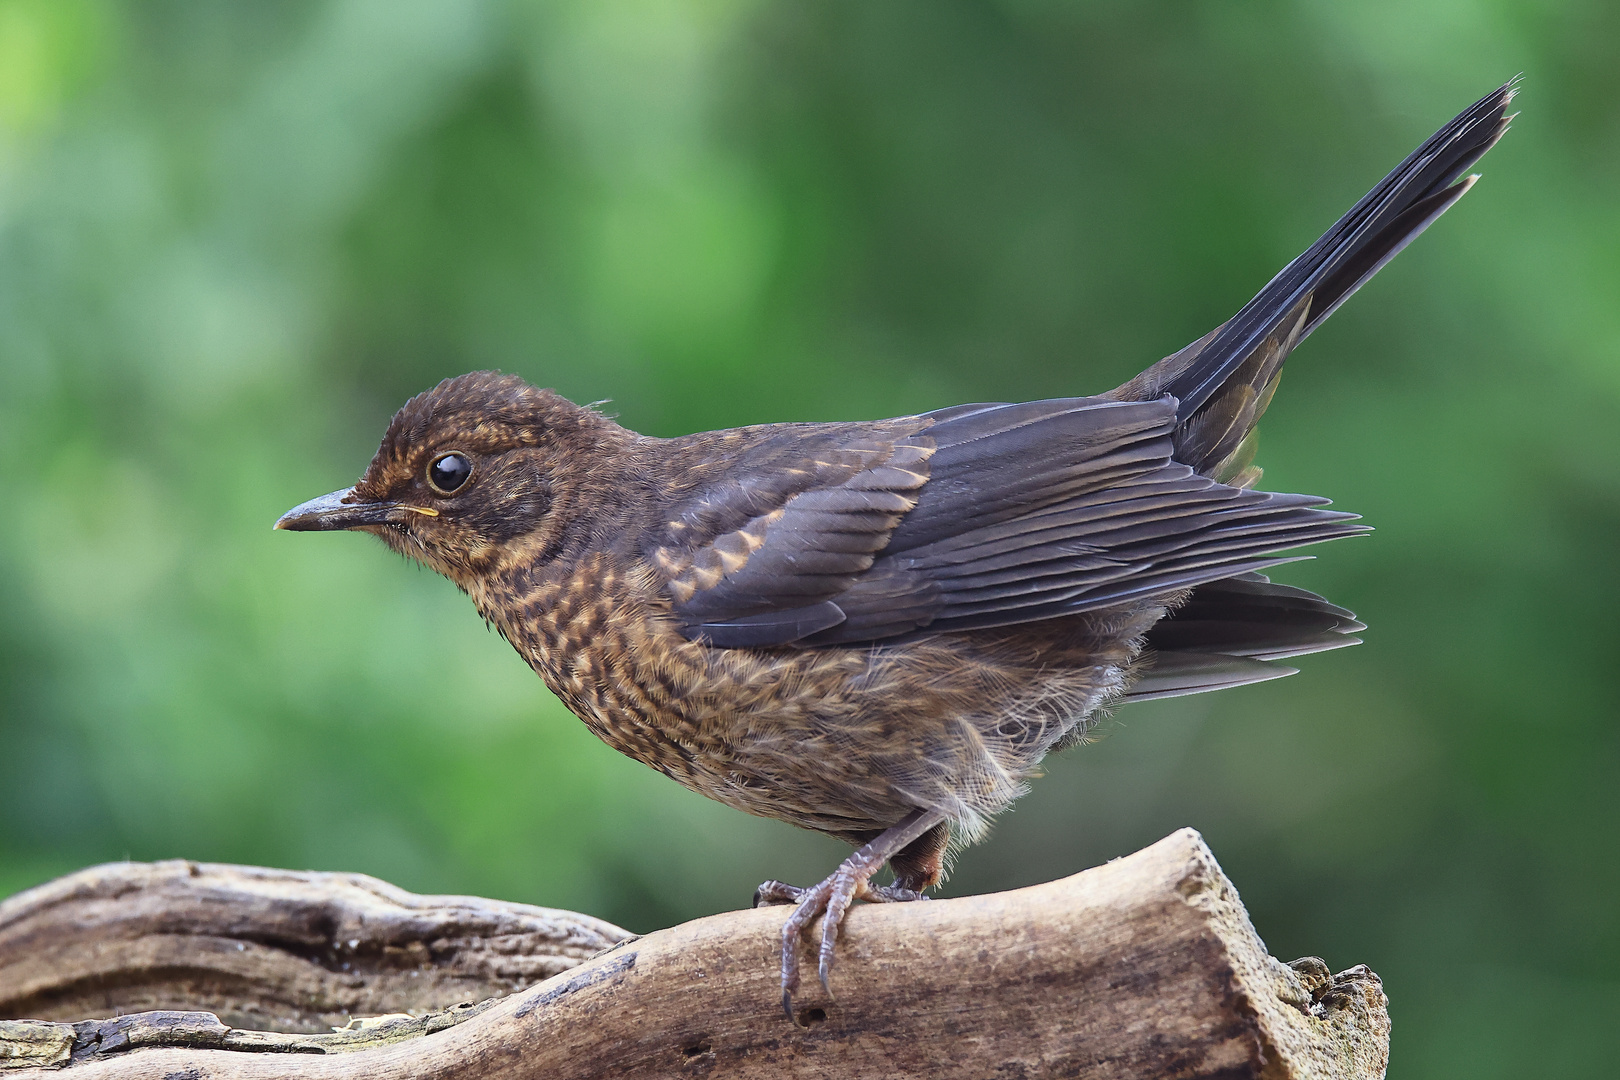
pixel 1224 380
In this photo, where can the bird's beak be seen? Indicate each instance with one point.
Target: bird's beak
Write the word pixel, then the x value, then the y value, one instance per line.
pixel 339 510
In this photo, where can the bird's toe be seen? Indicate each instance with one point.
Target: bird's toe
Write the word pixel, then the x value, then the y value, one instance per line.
pixel 771 893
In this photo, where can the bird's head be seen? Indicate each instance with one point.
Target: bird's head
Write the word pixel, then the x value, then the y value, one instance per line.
pixel 480 468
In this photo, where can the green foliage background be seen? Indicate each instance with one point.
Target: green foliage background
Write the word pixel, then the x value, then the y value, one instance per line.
pixel 234 237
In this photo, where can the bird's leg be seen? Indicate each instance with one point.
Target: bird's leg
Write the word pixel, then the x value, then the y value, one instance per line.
pixel 833 896
pixel 918 867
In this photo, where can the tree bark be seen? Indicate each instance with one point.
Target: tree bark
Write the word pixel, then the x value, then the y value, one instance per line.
pixel 1145 967
pixel 271 949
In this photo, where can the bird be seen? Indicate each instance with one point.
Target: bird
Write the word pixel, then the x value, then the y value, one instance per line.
pixel 878 629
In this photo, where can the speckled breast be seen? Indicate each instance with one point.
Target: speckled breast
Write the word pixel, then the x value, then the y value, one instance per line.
pixel 842 740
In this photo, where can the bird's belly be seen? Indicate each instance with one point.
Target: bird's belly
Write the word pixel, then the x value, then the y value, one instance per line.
pixel 844 740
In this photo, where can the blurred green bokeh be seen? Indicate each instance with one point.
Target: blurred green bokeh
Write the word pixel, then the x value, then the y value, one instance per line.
pixel 234 237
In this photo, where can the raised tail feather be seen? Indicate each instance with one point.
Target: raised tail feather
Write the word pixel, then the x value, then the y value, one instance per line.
pixel 1224 380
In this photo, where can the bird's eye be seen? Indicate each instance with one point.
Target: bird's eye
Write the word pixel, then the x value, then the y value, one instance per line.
pixel 448 472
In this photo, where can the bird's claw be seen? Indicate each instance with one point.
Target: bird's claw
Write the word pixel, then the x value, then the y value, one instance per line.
pixel 811 903
pixel 830 900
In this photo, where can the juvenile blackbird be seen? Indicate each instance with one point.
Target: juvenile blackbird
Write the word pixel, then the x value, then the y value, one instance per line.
pixel 878 629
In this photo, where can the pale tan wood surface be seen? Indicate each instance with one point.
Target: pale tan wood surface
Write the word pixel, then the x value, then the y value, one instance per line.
pixel 1145 967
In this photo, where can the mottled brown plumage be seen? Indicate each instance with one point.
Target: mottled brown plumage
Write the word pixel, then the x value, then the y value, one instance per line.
pixel 877 630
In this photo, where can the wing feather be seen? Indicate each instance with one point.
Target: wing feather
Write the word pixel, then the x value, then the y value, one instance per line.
pixel 977 516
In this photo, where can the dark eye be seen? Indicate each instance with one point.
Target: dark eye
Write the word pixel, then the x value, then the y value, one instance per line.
pixel 449 471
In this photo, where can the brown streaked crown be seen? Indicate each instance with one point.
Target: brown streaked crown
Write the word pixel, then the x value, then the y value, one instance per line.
pixel 483 412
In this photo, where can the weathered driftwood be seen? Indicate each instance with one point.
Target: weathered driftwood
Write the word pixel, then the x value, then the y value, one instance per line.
pixel 1145 967
pixel 271 949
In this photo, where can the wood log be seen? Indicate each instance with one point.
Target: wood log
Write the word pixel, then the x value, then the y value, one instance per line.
pixel 1145 967
pixel 270 949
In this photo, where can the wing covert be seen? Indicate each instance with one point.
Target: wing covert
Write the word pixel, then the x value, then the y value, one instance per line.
pixel 772 580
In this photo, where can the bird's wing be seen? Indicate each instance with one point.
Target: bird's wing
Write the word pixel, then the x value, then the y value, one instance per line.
pixel 755 555
pixel 977 516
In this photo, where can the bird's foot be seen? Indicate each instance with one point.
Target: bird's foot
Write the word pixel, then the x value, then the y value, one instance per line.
pixel 771 893
pixel 831 900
